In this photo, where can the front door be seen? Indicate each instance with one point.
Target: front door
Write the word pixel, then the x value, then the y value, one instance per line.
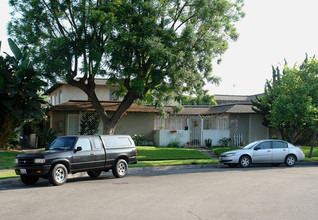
pixel 85 158
pixel 195 132
pixel 262 153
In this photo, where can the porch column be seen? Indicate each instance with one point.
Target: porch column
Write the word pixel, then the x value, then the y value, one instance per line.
pixel 201 131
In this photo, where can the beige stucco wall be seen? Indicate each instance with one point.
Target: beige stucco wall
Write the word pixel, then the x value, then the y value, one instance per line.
pixel 257 130
pixel 250 126
pixel 73 93
pixel 137 123
pixel 131 124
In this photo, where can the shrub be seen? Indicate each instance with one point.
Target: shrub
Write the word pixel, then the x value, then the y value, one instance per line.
pixel 174 144
pixel 224 142
pixel 208 142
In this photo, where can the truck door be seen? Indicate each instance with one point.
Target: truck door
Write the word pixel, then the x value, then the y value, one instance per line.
pixel 100 156
pixel 85 158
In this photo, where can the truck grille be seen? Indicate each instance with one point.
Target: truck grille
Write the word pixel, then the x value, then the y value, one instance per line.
pixel 26 161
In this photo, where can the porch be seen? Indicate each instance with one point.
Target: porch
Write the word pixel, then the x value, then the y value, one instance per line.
pixel 191 131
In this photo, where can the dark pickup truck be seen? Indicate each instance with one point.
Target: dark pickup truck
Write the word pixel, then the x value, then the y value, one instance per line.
pixel 72 154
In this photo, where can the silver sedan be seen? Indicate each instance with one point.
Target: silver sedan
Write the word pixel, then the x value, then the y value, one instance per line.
pixel 264 151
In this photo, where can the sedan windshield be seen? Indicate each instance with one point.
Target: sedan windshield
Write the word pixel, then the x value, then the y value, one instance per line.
pixel 62 143
pixel 251 145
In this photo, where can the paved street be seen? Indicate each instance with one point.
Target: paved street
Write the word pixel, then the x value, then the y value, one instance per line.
pixel 211 193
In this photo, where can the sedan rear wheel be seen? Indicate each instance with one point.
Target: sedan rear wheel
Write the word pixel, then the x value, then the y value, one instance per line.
pixel 245 161
pixel 290 160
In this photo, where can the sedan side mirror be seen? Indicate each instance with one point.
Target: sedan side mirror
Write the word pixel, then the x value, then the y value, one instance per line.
pixel 257 148
pixel 78 149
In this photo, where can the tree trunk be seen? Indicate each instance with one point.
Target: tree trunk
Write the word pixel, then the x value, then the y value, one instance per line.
pixel 109 123
pixel 312 144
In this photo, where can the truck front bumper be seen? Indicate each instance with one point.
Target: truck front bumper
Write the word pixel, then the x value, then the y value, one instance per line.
pixel 40 170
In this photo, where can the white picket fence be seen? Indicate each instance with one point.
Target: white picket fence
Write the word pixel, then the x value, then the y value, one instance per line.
pixel 237 139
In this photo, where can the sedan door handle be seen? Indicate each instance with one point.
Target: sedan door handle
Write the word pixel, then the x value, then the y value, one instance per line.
pixel 92 154
pixel 268 150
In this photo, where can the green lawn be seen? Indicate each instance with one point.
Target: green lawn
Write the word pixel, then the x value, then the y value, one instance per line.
pixel 166 153
pixel 7 159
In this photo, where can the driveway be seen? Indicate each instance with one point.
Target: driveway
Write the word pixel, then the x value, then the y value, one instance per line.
pixel 211 193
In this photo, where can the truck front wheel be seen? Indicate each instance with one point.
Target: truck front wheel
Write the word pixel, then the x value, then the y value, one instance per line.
pixel 58 175
pixel 29 180
pixel 120 169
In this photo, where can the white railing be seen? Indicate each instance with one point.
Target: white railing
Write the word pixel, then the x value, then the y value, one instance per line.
pixel 237 139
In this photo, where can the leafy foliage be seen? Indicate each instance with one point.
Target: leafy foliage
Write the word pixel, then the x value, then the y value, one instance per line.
pixel 19 98
pixel 151 50
pixel 89 122
pixel 199 100
pixel 290 102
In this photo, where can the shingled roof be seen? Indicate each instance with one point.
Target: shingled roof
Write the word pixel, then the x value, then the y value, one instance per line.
pixel 234 108
pixel 75 105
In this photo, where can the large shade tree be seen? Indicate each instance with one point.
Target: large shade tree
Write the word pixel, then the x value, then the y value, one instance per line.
pixel 290 101
pixel 150 50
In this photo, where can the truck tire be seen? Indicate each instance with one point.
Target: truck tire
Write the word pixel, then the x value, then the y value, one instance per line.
pixel 58 175
pixel 29 180
pixel 94 173
pixel 120 169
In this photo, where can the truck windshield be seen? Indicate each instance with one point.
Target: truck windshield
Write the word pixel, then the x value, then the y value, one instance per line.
pixel 62 143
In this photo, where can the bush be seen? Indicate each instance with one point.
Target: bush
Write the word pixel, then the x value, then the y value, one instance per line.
pixel 174 144
pixel 224 142
pixel 208 142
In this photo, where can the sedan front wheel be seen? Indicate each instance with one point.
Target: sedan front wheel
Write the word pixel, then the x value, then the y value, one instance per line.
pixel 245 161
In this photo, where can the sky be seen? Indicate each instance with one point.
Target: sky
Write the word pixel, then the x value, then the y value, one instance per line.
pixel 271 31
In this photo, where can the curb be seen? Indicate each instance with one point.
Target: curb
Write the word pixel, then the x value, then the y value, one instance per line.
pixel 16 181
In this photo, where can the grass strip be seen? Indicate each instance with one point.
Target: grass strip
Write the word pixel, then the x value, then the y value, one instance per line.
pixel 146 153
pixel 7 174
pixel 173 162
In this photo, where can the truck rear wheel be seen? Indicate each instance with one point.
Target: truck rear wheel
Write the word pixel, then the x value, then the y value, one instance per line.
pixel 58 175
pixel 29 180
pixel 94 173
pixel 120 169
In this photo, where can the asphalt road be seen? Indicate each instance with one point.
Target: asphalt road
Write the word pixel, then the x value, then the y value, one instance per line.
pixel 211 193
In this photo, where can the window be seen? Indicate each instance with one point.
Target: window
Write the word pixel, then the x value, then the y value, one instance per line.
pixel 84 143
pixel 219 123
pixel 112 96
pixel 97 143
pixel 265 145
pixel 279 144
pixel 60 96
pixel 116 142
pixel 73 124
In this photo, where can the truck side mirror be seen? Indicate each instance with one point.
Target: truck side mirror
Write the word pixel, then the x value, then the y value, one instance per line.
pixel 78 149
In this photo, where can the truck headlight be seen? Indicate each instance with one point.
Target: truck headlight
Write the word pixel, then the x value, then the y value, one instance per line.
pixel 39 160
pixel 16 160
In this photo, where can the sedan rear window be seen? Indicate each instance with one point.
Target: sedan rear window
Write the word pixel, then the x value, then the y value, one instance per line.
pixel 278 144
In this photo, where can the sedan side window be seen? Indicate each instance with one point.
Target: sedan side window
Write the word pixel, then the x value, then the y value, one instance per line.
pixel 84 143
pixel 264 145
pixel 278 144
